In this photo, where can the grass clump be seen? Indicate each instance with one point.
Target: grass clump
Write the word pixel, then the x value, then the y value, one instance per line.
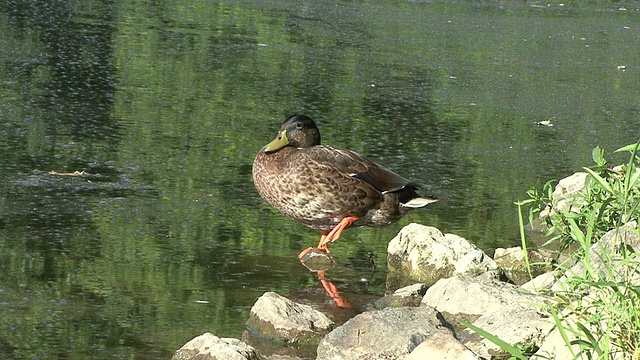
pixel 596 304
pixel 610 199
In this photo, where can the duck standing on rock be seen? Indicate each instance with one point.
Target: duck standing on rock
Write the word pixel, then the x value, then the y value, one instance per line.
pixel 328 188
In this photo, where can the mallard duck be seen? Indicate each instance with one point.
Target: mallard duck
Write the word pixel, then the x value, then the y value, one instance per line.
pixel 329 188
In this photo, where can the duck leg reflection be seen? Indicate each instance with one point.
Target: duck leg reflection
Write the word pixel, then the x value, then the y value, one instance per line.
pixel 332 290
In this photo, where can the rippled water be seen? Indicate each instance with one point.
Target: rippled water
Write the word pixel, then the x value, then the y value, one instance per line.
pixel 161 107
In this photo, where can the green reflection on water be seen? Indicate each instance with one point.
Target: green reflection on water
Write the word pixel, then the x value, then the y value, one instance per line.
pixel 165 105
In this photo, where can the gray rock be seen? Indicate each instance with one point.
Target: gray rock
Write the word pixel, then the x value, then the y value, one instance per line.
pixel 276 316
pixel 567 191
pixel 604 254
pixel 514 265
pixel 554 346
pixel 442 345
pixel 611 244
pixel 515 324
pixel 407 296
pixel 210 347
pixel 497 307
pixel 470 296
pixel 412 290
pixel 381 334
pixel 510 257
pixel 423 253
pixel 568 195
pixel 540 283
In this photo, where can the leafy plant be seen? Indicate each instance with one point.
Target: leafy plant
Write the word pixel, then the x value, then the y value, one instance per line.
pixel 612 194
pixel 597 311
pixel 603 312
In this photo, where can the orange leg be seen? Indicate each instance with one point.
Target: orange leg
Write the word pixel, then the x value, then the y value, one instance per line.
pixel 330 236
pixel 335 233
pixel 332 290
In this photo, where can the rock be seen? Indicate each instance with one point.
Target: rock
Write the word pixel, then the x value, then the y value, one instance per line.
pixel 276 318
pixel 554 346
pixel 414 290
pixel 407 296
pixel 564 195
pixel 499 308
pixel 610 244
pixel 380 334
pixel 537 233
pixel 317 260
pixel 469 297
pixel 210 347
pixel 442 345
pixel 514 265
pixel 515 324
pixel 541 282
pixel 568 195
pixel 606 265
pixel 511 257
pixel 423 253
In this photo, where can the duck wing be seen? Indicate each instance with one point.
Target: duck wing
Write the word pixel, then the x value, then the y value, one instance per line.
pixel 351 163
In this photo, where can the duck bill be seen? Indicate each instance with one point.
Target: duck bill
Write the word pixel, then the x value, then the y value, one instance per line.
pixel 278 143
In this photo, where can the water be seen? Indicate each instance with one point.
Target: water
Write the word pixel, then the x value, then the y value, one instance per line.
pixel 164 105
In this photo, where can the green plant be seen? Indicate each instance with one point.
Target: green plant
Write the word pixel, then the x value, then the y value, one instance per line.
pixel 611 194
pixel 597 309
pixel 602 314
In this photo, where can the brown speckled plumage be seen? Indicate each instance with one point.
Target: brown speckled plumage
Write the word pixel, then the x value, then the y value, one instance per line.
pixel 318 185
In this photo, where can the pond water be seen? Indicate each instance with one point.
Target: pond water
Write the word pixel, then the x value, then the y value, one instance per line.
pixel 161 106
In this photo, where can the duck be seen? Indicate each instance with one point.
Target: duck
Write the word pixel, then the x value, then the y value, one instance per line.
pixel 328 188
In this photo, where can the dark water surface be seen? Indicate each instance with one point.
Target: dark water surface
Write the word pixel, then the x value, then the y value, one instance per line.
pixel 163 105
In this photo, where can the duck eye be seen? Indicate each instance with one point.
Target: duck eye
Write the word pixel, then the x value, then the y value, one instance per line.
pixel 298 126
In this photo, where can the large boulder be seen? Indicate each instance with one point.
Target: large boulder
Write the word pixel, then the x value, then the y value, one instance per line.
pixel 210 347
pixel 500 308
pixel 275 321
pixel 568 195
pixel 380 334
pixel 424 254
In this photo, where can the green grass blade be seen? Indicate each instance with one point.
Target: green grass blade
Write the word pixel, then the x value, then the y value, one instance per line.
pixel 630 171
pixel 523 240
pixel 562 330
pixel 593 343
pixel 634 179
pixel 600 180
pixel 631 147
pixel 514 351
